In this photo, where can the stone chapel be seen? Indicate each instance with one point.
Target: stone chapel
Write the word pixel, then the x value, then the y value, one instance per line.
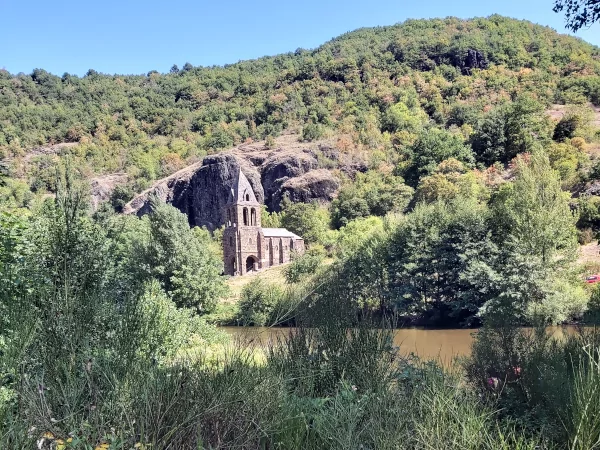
pixel 247 246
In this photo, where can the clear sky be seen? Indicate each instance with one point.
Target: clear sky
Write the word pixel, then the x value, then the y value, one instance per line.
pixel 133 36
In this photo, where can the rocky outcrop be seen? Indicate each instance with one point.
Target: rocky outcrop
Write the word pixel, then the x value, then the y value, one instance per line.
pixel 173 190
pixel 593 188
pixel 210 187
pixel 474 60
pixel 279 169
pixel 103 186
pixel 200 191
pixel 301 171
pixel 319 185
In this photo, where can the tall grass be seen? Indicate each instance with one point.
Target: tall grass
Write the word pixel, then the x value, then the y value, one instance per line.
pixel 548 384
pixel 584 423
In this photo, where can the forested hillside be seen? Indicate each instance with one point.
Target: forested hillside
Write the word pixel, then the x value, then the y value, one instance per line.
pixel 482 84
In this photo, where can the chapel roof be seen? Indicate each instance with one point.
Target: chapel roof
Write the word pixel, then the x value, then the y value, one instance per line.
pixel 279 232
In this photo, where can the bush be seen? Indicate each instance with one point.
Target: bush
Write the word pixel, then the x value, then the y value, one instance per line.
pixel 585 236
pixel 258 301
pixel 371 193
pixel 305 219
pixel 312 132
pixel 120 196
pixel 302 266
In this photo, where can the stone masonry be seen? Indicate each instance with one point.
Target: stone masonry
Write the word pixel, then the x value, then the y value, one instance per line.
pixel 247 246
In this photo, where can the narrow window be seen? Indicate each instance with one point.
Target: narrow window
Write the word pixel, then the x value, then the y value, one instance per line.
pixel 249 240
pixel 230 241
pixel 253 217
pixel 247 197
pixel 245 213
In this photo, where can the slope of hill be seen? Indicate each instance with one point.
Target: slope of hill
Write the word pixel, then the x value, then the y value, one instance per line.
pixel 371 90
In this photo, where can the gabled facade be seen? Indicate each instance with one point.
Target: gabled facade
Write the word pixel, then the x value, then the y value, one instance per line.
pixel 248 247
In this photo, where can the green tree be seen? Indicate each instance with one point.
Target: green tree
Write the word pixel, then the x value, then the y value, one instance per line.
pixel 533 213
pixel 186 261
pixel 451 180
pixel 371 193
pixel 307 220
pixel 431 148
pixel 511 129
pixel 400 117
pixel 270 219
pixel 535 228
pixel 347 208
pixel 120 196
pixel 441 263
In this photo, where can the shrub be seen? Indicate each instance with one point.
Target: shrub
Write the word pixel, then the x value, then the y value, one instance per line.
pixel 311 132
pixel 258 301
pixel 585 236
pixel 270 141
pixel 305 219
pixel 120 196
pixel 303 266
pixel 538 379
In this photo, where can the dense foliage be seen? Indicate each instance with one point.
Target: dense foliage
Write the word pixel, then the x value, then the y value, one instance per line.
pixel 86 363
pixel 390 91
pixel 461 216
pixel 453 260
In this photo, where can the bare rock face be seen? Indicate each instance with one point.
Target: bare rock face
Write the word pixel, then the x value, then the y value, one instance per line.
pixel 103 186
pixel 279 169
pixel 317 185
pixel 474 60
pixel 593 188
pixel 209 189
pixel 295 169
pixel 201 190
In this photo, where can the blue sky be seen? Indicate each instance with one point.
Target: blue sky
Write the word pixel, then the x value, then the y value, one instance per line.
pixel 131 36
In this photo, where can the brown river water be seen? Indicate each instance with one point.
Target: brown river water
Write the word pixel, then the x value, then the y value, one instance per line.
pixel 427 344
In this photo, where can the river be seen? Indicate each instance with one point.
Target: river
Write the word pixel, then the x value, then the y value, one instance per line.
pixel 427 344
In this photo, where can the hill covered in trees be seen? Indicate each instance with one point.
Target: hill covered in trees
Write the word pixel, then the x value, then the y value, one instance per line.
pixel 481 85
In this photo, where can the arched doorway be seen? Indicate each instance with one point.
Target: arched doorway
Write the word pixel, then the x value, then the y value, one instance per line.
pixel 250 261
